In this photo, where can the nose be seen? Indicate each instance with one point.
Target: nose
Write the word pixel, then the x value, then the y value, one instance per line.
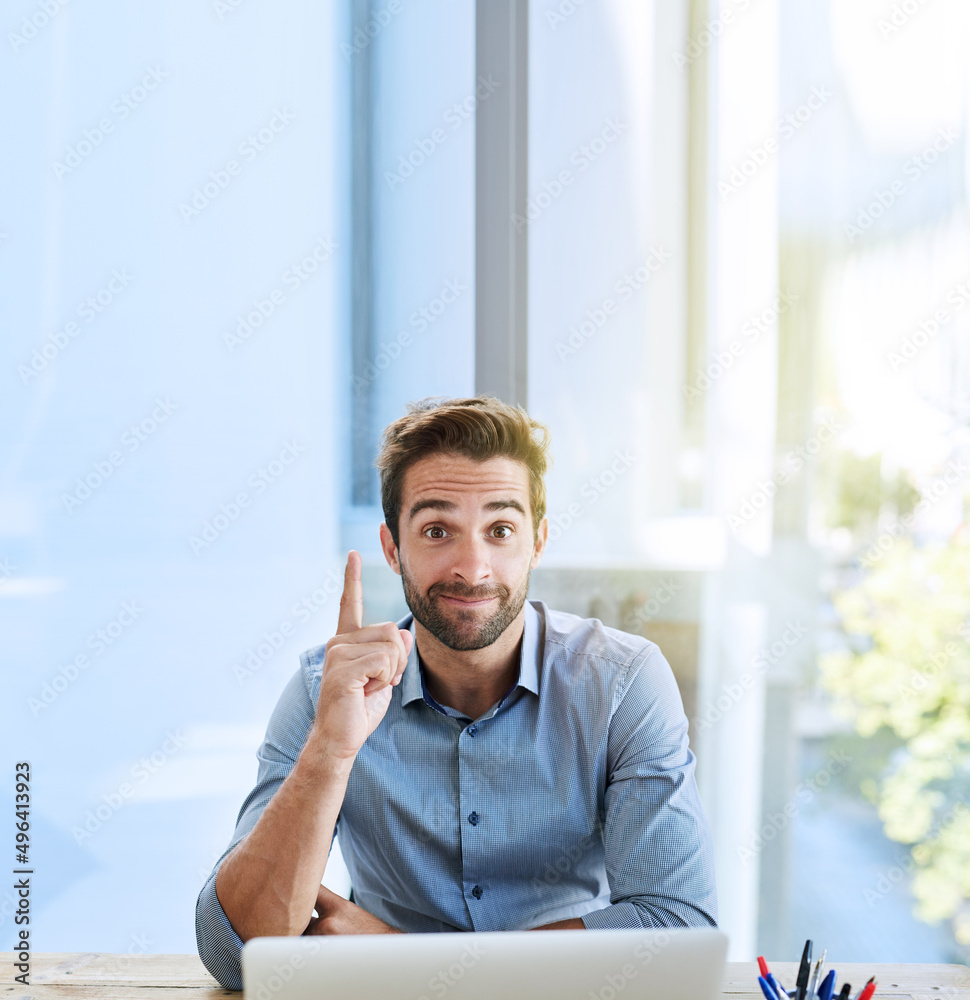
pixel 471 564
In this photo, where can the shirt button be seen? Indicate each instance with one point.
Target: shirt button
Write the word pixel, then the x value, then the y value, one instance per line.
pixel 477 892
pixel 473 818
pixel 473 730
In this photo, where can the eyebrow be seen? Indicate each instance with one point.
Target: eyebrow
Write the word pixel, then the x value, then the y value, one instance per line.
pixel 435 503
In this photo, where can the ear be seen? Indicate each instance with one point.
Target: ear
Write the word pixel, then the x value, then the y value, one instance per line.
pixel 390 549
pixel 540 545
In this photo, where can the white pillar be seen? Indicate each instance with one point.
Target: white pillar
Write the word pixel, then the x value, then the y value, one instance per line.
pixel 741 45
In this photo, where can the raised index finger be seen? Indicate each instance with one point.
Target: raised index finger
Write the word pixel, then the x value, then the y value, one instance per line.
pixel 351 615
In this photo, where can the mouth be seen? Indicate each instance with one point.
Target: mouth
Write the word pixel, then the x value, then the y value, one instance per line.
pixel 460 603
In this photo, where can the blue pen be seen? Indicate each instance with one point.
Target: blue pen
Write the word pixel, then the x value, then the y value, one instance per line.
pixel 828 985
pixel 765 988
pixel 777 987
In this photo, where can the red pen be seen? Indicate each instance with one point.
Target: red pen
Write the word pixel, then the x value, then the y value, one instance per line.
pixel 763 966
pixel 868 990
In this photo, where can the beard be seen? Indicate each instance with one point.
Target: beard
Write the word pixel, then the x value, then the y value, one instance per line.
pixel 458 628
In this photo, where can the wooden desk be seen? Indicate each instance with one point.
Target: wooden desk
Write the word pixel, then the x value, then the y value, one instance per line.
pixel 94 976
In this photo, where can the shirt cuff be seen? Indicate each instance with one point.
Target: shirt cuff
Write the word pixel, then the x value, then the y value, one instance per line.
pixel 615 917
pixel 219 945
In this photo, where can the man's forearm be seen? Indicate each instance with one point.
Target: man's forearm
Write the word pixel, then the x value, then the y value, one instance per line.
pixel 268 884
pixel 572 924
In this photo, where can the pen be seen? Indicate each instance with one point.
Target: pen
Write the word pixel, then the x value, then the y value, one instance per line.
pixel 766 989
pixel 804 968
pixel 816 982
pixel 868 989
pixel 828 985
pixel 815 976
pixel 846 990
pixel 770 979
pixel 778 988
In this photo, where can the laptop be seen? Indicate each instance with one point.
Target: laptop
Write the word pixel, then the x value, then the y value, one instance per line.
pixel 675 964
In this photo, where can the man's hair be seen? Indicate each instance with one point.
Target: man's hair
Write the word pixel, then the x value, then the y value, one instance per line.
pixel 480 428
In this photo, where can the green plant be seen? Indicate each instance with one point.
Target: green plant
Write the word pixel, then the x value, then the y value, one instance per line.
pixel 907 673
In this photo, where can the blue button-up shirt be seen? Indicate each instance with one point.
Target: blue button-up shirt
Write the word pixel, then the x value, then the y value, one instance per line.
pixel 572 796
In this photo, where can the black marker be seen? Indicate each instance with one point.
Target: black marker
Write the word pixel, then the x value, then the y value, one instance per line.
pixel 804 969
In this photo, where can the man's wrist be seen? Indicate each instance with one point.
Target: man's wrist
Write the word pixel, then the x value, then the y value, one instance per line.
pixel 318 755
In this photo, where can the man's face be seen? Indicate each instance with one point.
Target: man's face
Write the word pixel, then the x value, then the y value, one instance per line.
pixel 466 546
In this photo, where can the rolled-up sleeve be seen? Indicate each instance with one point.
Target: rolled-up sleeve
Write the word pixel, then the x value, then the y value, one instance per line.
pixel 218 943
pixel 657 843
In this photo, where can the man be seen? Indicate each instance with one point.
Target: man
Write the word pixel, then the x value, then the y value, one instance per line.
pixel 490 764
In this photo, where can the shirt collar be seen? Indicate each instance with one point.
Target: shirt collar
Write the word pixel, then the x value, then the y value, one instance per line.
pixel 411 686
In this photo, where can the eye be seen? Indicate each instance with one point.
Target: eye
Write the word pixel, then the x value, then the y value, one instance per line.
pixel 504 527
pixel 435 527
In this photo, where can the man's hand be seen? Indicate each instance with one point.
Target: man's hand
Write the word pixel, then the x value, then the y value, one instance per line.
pixel 268 882
pixel 572 924
pixel 359 670
pixel 339 916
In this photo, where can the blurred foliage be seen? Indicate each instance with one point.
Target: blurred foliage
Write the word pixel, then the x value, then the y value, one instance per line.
pixel 855 490
pixel 869 758
pixel 906 681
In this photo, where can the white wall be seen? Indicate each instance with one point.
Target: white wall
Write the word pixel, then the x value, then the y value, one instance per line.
pixel 590 228
pixel 423 204
pixel 221 73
